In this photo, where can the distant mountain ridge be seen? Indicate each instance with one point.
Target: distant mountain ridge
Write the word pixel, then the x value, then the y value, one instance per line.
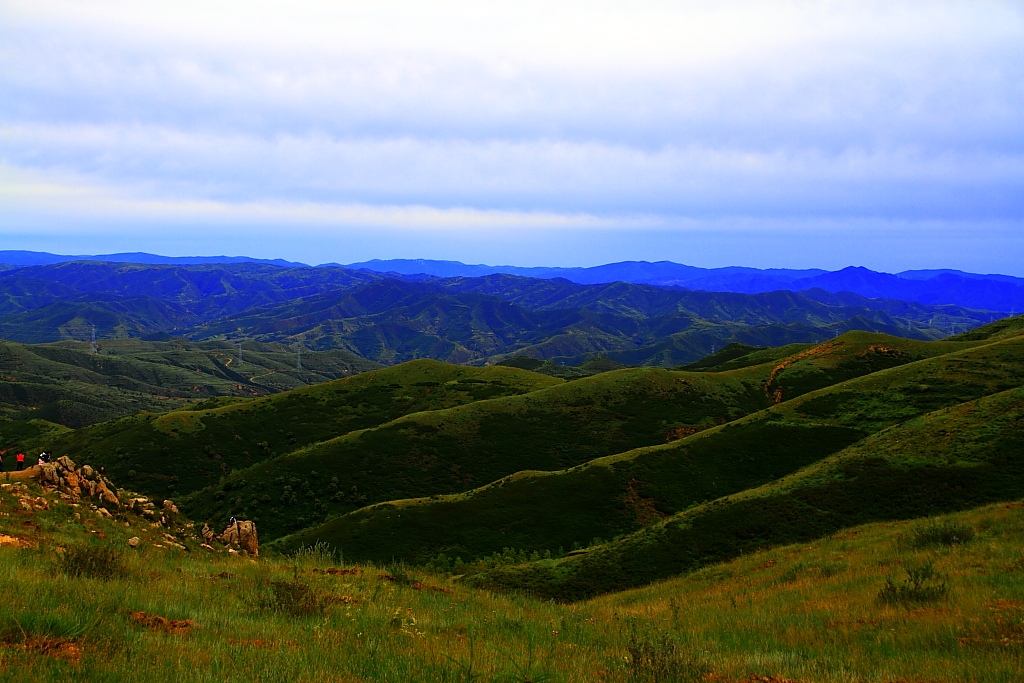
pixel 388 319
pixel 1002 293
pixel 989 292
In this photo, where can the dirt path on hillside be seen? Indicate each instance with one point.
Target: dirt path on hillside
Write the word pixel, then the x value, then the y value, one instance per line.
pixel 24 475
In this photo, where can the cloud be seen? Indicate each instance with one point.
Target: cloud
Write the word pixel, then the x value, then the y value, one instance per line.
pixel 570 114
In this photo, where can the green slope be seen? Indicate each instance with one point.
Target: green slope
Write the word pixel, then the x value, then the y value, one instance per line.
pixel 68 383
pixel 185 450
pixel 620 494
pixel 565 426
pixel 951 459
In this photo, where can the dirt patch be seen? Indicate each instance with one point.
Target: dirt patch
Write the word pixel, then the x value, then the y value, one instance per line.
pixel 334 571
pixel 157 623
pixel 51 647
pixel 16 542
pixel 644 508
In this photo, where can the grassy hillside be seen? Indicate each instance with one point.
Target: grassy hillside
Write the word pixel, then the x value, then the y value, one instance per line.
pixel 68 383
pixel 564 426
pixel 435 453
pixel 954 458
pixel 806 612
pixel 185 450
pixel 548 511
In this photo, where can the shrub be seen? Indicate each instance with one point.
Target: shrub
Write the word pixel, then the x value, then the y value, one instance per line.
pixel 945 533
pixel 296 598
pixel 662 660
pixel 95 562
pixel 923 584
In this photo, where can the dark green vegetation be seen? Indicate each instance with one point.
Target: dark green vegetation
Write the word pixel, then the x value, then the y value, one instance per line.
pixel 955 457
pixel 184 450
pixel 448 451
pixel 461 320
pixel 545 511
pixel 73 384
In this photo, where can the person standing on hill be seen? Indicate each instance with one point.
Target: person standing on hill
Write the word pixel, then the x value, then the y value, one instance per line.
pixel 20 460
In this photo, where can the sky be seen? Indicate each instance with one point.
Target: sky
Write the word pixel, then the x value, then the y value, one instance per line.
pixel 769 134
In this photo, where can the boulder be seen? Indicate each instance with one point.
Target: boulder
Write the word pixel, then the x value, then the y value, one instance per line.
pixel 134 541
pixel 65 463
pixel 170 507
pixel 207 533
pixel 48 475
pixel 242 534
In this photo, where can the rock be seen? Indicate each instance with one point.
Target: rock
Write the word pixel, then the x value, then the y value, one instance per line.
pixel 88 472
pixel 48 475
pixel 243 535
pixel 65 463
pixel 106 495
pixel 207 546
pixel 170 507
pixel 134 541
pixel 104 512
pixel 207 533
pixel 71 480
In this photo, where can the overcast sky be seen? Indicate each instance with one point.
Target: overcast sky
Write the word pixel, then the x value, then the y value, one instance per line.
pixel 770 134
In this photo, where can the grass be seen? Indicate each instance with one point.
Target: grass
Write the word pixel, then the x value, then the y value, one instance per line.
pixel 66 383
pixel 181 451
pixel 620 494
pixel 448 451
pixel 950 459
pixel 805 612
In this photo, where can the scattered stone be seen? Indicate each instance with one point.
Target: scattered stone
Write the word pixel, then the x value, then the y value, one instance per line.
pixel 158 623
pixel 208 547
pixel 104 512
pixel 134 541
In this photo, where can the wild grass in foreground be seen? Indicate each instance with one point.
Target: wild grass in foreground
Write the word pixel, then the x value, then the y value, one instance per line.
pixel 810 612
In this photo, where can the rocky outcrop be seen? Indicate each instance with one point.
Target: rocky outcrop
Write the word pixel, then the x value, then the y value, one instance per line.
pixel 77 483
pixel 241 534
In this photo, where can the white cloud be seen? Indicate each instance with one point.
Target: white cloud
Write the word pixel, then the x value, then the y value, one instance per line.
pixel 565 114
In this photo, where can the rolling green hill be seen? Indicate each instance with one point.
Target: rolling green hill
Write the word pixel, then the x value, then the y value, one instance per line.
pixel 431 453
pixel 72 384
pixel 538 511
pixel 951 459
pixel 185 450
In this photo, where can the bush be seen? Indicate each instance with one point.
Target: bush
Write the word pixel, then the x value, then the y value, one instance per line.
pixel 923 584
pixel 296 598
pixel 94 562
pixel 945 533
pixel 662 660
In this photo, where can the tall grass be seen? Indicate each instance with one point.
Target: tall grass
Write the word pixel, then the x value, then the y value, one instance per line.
pixel 806 613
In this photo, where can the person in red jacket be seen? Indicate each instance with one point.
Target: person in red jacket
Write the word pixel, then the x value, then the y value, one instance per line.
pixel 20 460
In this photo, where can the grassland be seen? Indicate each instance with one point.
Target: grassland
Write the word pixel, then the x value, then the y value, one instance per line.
pixel 553 511
pixel 801 613
pixel 950 459
pixel 432 453
pixel 72 384
pixel 184 450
